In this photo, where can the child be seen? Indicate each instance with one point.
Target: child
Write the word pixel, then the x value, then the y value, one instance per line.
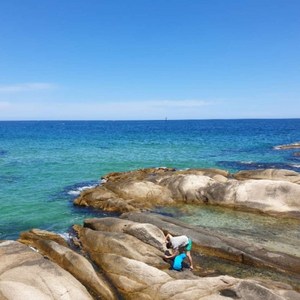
pixel 177 264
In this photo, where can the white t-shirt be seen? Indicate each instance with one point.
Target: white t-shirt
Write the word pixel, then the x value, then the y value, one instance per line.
pixel 179 241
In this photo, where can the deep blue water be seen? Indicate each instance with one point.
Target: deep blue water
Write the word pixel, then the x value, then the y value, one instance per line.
pixel 43 164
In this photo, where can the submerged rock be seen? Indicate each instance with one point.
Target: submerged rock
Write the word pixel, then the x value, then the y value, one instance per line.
pixel 269 191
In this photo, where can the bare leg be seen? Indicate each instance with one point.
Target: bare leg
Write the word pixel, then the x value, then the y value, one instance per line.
pixel 188 254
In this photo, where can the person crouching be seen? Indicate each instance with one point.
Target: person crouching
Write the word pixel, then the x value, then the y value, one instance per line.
pixel 181 246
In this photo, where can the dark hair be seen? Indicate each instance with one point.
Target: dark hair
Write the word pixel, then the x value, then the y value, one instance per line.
pixel 169 245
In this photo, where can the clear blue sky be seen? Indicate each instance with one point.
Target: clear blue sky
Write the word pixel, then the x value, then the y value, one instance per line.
pixel 149 59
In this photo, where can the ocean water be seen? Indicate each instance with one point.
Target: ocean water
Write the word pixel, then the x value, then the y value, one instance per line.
pixel 45 164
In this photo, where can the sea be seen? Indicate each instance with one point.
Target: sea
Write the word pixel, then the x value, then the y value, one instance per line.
pixel 44 165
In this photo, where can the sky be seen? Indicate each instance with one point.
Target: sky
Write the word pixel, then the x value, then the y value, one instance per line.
pixel 149 59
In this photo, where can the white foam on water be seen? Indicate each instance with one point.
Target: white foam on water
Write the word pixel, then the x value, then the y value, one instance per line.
pixel 247 162
pixel 295 165
pixel 65 235
pixel 80 189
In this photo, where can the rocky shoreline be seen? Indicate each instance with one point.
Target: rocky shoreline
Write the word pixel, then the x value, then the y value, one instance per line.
pixel 123 258
pixel 270 191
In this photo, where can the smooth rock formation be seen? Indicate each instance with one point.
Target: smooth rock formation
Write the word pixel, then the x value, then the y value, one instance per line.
pixel 275 192
pixel 77 265
pixel 131 268
pixel 136 277
pixel 101 243
pixel 269 174
pixel 214 244
pixel 26 274
pixel 147 233
pixel 34 235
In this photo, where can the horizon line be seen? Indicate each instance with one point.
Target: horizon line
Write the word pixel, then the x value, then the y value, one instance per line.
pixel 145 120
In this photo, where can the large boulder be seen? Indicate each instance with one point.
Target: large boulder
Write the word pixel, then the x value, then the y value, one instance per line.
pixel 55 248
pixel 26 274
pixel 134 278
pixel 146 232
pixel 268 196
pixel 32 236
pixel 102 198
pixel 101 243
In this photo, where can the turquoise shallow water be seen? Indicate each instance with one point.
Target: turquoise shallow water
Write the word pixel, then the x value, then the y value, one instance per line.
pixel 43 165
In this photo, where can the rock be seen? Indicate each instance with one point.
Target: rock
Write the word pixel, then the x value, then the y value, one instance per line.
pixel 204 288
pixel 145 232
pixel 135 279
pixel 188 188
pixel 108 224
pixel 130 267
pixel 140 174
pixel 69 260
pixel 248 289
pixel 79 267
pixel 33 235
pixel 269 174
pixel 268 196
pixel 268 191
pixel 26 274
pixel 100 243
pixel 104 199
pixel 142 193
pixel 138 280
pixel 214 244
